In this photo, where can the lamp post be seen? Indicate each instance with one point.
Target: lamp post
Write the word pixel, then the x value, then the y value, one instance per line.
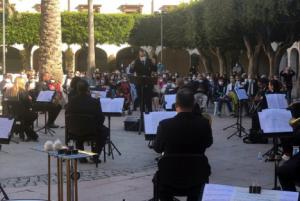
pixel 161 36
pixel 3 38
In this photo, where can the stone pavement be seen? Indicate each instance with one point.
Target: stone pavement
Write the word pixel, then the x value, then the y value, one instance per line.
pixel 23 170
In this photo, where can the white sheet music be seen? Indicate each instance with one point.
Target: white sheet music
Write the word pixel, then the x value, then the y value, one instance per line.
pixel 275 120
pixel 112 105
pixel 5 127
pixel 215 192
pixel 170 100
pixel 151 120
pixel 276 101
pixel 45 96
pixel 241 94
pixel 98 94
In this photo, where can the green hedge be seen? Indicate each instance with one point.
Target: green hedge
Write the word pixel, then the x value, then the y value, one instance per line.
pixel 23 28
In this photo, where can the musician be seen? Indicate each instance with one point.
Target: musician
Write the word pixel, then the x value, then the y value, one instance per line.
pixel 289 173
pixel 288 75
pixel 53 108
pixel 186 133
pixel 83 103
pixel 143 66
pixel 18 93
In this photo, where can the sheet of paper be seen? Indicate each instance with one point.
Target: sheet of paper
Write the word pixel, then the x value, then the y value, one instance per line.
pixel 45 96
pixel 112 105
pixel 241 94
pixel 276 101
pixel 5 127
pixel 275 120
pixel 151 120
pixel 170 100
pixel 98 94
pixel 215 192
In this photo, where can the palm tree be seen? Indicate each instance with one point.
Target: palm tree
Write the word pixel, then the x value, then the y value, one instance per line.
pixel 91 64
pixel 50 58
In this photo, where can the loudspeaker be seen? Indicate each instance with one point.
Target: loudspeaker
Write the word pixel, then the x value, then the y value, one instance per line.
pixel 131 124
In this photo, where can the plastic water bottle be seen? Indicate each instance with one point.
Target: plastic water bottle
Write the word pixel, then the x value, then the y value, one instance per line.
pixel 259 156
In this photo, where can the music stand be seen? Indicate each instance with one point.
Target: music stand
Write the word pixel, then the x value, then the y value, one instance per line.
pixel 3 192
pixel 278 128
pixel 111 107
pixel 42 103
pixel 6 127
pixel 142 81
pixel 242 96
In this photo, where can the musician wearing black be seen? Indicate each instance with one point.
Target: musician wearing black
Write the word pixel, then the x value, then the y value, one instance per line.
pixel 143 67
pixel 186 133
pixel 84 104
pixel 287 74
pixel 53 108
pixel 289 172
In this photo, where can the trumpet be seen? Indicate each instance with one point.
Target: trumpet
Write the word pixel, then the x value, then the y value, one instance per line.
pixel 294 122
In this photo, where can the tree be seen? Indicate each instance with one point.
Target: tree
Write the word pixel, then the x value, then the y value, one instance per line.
pixel 50 56
pixel 91 42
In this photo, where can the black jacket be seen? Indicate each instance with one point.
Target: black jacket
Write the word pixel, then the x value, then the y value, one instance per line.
pixel 143 68
pixel 86 105
pixel 185 133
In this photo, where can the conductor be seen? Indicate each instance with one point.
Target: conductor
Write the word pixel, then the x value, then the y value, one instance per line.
pixel 143 67
pixel 186 133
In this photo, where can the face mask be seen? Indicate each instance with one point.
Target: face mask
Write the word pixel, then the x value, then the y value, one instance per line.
pixel 221 83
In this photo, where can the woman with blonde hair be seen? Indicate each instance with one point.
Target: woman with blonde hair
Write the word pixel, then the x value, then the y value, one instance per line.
pixel 18 93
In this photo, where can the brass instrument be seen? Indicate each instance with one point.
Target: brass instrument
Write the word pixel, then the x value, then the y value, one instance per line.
pixel 294 122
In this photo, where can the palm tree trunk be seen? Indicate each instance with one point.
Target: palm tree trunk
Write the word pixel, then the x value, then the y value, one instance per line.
pixel 50 54
pixel 91 44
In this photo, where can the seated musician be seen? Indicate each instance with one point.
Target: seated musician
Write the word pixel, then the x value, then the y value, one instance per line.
pixel 186 133
pixel 84 104
pixel 221 96
pixel 288 173
pixel 18 93
pixel 53 108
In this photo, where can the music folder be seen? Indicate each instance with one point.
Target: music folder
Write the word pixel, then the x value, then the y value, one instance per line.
pixel 241 93
pixel 274 121
pixel 170 99
pixel 152 119
pixel 114 105
pixel 276 101
pixel 45 96
pixel 6 125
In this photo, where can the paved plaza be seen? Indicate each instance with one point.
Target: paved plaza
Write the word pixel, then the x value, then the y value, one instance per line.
pixel 128 177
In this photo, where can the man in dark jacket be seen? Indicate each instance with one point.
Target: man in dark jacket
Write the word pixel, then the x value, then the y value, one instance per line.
pixel 143 67
pixel 186 133
pixel 84 104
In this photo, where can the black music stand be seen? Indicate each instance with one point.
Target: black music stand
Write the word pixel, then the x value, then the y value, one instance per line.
pixel 242 96
pixel 42 103
pixel 270 130
pixel 5 197
pixel 109 112
pixel 6 130
pixel 142 81
pixel 109 142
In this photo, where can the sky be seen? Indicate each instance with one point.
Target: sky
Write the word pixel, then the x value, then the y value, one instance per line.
pixel 108 6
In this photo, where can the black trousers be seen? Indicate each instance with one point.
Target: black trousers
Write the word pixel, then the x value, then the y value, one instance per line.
pixel 289 173
pixel 27 124
pixel 146 97
pixel 99 140
pixel 53 112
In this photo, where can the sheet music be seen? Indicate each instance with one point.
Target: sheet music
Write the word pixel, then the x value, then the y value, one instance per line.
pixel 151 120
pixel 275 120
pixel 45 96
pixel 170 100
pixel 112 105
pixel 241 94
pixel 5 127
pixel 276 101
pixel 215 192
pixel 98 94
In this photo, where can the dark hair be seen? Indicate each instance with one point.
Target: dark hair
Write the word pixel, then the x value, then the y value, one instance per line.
pixel 276 85
pixel 74 82
pixel 185 98
pixel 82 87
